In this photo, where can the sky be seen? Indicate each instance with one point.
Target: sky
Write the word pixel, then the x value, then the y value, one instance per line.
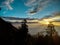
pixel 29 8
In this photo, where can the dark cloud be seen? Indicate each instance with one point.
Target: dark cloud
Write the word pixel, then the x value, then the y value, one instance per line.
pixel 0 8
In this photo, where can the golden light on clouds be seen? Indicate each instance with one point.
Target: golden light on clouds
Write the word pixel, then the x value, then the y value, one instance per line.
pixel 57 17
pixel 44 22
pixel 56 23
pixel 51 19
pixel 47 22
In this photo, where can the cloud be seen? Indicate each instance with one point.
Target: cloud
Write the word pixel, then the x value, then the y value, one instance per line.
pixel 54 17
pixel 38 5
pixel 57 16
pixel 30 13
pixel 6 3
pixel 56 13
pixel 30 2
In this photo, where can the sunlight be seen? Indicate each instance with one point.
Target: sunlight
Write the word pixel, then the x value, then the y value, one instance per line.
pixel 47 22
pixel 44 22
pixel 55 21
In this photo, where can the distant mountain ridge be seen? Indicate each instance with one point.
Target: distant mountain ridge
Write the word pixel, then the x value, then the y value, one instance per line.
pixel 15 18
pixel 18 20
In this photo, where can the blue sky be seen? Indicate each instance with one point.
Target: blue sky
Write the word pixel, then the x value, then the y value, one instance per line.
pixel 20 8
